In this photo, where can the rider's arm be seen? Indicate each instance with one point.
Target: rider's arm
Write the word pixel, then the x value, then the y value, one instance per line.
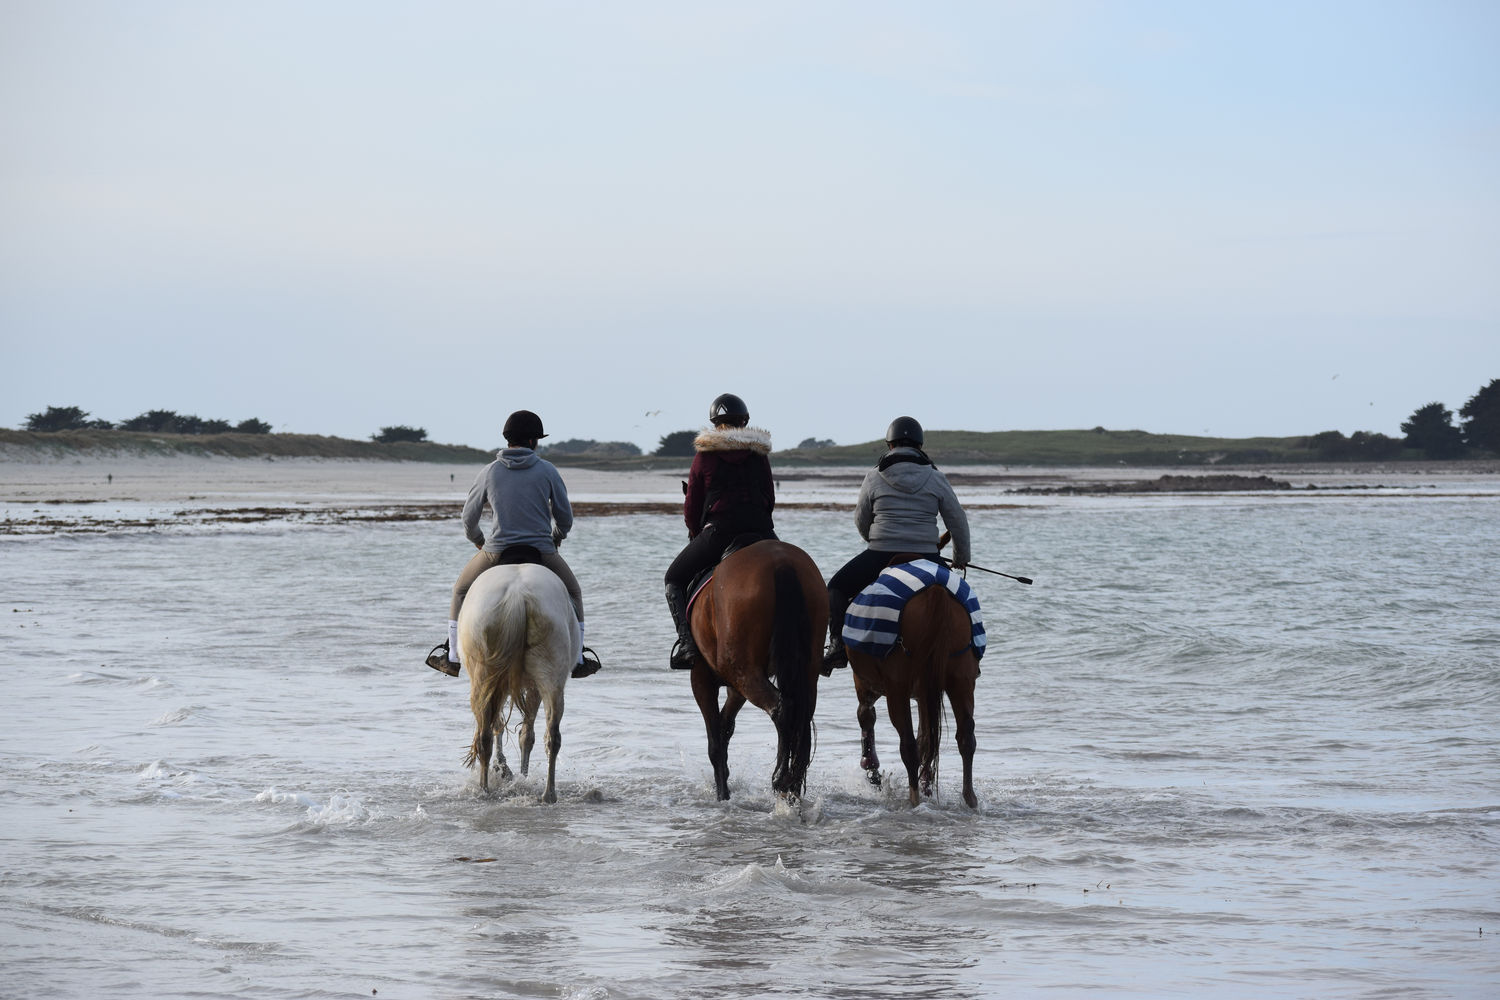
pixel 864 507
pixel 954 518
pixel 473 506
pixel 697 492
pixel 562 510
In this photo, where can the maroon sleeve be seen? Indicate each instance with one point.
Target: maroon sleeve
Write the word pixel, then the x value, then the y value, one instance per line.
pixel 768 483
pixel 697 492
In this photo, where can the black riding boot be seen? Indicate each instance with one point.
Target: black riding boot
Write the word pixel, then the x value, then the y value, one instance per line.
pixel 836 656
pixel 685 651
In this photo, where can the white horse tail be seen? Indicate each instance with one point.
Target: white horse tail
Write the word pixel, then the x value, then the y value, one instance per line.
pixel 492 641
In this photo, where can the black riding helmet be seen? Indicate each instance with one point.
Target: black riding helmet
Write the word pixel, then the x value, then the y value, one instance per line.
pixel 904 430
pixel 727 408
pixel 523 425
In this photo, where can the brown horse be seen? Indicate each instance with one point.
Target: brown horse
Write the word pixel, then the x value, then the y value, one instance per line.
pixel 758 625
pixel 934 657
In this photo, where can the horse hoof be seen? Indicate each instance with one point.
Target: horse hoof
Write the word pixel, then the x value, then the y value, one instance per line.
pixel 872 775
pixel 971 800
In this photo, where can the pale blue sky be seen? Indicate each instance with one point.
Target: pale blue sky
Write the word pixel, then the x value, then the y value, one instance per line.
pixel 1180 217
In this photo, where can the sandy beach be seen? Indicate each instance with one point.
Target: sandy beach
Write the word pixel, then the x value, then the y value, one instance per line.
pixel 92 479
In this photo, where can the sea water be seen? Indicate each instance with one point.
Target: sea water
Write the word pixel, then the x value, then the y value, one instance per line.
pixel 1228 747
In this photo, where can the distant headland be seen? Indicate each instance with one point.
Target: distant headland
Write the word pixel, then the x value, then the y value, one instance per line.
pixel 1060 448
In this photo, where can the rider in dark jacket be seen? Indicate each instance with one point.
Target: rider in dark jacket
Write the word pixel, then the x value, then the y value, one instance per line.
pixel 729 493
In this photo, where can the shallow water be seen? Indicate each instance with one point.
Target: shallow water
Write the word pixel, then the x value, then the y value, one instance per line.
pixel 1228 746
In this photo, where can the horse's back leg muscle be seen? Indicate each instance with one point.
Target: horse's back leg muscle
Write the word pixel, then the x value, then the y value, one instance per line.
pixel 961 697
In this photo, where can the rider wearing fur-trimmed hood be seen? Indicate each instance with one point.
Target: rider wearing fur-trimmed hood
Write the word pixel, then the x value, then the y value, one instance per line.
pixel 729 492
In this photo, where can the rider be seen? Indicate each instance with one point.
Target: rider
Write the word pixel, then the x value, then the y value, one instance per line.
pixel 530 506
pixel 729 492
pixel 899 503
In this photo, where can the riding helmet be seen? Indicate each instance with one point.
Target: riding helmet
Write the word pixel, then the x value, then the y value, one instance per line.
pixel 904 430
pixel 728 408
pixel 523 425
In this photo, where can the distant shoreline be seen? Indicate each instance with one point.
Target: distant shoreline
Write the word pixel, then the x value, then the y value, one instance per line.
pixel 1097 448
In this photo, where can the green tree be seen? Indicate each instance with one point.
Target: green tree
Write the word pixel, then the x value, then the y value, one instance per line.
pixel 390 435
pixel 155 421
pixel 677 444
pixel 58 418
pixel 252 426
pixel 1481 426
pixel 1431 430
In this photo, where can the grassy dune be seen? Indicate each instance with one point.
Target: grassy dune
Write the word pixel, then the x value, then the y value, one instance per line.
pixel 1097 447
pixel 21 445
pixel 1078 447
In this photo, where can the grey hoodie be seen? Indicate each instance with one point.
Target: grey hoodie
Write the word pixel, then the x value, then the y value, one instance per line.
pixel 898 509
pixel 526 495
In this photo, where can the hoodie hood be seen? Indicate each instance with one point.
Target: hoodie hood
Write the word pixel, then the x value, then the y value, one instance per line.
pixel 751 439
pixel 517 458
pixel 909 475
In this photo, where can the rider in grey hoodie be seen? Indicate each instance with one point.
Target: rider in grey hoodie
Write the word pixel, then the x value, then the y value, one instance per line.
pixel 897 511
pixel 530 506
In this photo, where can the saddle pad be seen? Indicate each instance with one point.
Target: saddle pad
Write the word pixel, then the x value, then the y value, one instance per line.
pixel 873 622
pixel 697 587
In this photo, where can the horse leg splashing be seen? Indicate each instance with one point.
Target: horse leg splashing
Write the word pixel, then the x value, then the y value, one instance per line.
pixel 754 627
pixel 933 659
pixel 519 639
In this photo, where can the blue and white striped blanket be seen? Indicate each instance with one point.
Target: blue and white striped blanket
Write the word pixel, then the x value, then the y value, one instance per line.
pixel 873 622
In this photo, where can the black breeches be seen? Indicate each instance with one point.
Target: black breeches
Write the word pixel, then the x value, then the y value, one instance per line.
pixel 700 553
pixel 861 571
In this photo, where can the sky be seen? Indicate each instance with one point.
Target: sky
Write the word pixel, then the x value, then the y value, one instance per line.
pixel 1229 218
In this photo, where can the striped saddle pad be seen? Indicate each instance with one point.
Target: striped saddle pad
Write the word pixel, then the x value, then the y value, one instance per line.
pixel 873 622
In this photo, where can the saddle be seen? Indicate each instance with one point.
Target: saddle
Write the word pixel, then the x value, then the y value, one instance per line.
pixel 515 555
pixel 743 540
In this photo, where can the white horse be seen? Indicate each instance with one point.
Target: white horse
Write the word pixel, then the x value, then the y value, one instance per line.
pixel 518 638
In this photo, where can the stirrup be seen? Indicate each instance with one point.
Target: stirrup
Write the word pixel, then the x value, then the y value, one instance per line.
pixel 837 656
pixel 588 663
pixel 682 657
pixel 438 660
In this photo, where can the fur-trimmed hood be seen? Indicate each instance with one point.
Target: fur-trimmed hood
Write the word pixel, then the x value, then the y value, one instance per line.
pixel 752 439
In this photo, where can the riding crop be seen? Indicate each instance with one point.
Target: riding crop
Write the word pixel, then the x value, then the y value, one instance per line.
pixel 948 536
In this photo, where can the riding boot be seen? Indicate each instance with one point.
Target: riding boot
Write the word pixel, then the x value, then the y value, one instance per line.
pixel 836 656
pixel 685 651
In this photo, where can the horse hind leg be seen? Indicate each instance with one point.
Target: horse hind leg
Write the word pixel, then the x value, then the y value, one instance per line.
pixel 719 726
pixel 929 729
pixel 479 753
pixel 961 696
pixel 865 713
pixel 554 743
pixel 898 706
pixel 526 735
pixel 501 764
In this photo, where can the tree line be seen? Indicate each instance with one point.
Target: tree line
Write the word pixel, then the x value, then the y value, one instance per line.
pixel 1430 430
pixel 72 418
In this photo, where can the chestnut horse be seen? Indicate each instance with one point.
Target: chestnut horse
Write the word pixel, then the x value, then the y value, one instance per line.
pixel 758 625
pixel 933 657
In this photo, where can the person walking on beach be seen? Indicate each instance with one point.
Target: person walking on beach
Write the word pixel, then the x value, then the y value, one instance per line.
pixel 897 511
pixel 530 505
pixel 729 492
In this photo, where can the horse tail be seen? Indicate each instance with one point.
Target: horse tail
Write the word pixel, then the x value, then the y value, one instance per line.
pixel 500 643
pixel 791 638
pixel 932 676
